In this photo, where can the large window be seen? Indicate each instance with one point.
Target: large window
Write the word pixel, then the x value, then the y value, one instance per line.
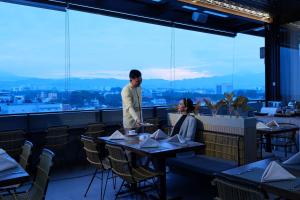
pixel 32 59
pixel 54 61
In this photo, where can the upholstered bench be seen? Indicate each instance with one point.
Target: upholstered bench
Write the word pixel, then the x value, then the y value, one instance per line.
pixel 222 151
pixel 200 164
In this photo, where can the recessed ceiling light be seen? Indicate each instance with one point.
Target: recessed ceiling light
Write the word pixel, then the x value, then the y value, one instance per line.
pixel 216 14
pixel 189 8
pixel 259 28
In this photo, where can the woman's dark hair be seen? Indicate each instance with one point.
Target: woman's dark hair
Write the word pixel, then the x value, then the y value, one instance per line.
pixel 134 73
pixel 188 103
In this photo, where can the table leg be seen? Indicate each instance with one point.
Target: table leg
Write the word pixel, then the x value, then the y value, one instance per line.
pixel 162 179
pixel 268 143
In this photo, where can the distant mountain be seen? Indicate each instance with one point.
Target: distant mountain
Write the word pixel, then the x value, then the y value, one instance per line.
pixel 249 81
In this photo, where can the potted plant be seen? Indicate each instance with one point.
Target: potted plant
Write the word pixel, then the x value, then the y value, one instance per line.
pixel 214 108
pixel 240 103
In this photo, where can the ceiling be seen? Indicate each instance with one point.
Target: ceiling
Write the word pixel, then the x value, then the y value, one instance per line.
pixel 177 14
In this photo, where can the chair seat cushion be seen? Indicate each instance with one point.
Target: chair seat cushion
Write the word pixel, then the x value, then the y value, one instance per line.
pixel 201 164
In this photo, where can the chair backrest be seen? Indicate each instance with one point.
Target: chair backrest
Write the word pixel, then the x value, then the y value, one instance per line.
pixel 119 162
pixel 57 137
pixel 12 141
pixel 287 135
pixel 228 190
pixel 26 152
pixel 92 152
pixel 224 146
pixel 40 184
pixel 95 130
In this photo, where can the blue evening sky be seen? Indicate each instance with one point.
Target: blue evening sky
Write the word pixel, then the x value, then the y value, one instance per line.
pixel 33 45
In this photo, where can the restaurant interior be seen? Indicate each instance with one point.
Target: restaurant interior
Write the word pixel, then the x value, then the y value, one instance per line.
pixel 243 147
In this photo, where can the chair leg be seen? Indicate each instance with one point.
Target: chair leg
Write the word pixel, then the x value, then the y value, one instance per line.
pixel 91 182
pixel 117 194
pixel 114 179
pixel 107 177
pixel 101 192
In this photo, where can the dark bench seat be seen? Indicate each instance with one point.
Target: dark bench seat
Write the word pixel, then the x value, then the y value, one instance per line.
pixel 200 164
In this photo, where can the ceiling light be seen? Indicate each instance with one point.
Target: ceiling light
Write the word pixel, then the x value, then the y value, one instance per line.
pixel 215 13
pixel 189 8
pixel 259 28
pixel 232 8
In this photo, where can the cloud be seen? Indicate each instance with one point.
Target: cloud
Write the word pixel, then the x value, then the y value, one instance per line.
pixel 179 73
pixel 149 73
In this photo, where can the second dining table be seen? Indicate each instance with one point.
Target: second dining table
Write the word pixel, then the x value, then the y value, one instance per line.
pixel 160 154
pixel 14 175
pixel 251 174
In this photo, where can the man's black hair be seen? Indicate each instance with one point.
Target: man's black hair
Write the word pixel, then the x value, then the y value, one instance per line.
pixel 134 73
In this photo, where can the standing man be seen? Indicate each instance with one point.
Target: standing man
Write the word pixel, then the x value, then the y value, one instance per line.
pixel 132 101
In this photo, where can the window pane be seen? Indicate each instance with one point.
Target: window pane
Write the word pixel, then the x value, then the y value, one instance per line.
pixel 105 49
pixel 31 59
pixel 208 65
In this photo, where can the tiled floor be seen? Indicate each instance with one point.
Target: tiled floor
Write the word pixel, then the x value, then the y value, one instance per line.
pixel 71 185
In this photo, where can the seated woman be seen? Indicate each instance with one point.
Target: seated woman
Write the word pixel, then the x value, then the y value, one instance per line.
pixel 187 124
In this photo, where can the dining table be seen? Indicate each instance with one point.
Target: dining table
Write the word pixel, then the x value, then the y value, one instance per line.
pixel 250 174
pixel 13 175
pixel 160 154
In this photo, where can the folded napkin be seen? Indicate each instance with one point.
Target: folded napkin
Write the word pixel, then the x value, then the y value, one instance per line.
pixel 272 123
pixel 159 134
pixel 274 172
pixel 294 160
pixel 260 125
pixel 177 139
pixel 7 163
pixel 117 135
pixel 149 143
pixel 2 151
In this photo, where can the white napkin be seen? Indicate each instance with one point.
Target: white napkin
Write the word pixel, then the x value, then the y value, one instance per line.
pixel 7 163
pixel 272 123
pixel 117 135
pixel 2 151
pixel 158 134
pixel 294 160
pixel 149 143
pixel 260 125
pixel 177 139
pixel 274 172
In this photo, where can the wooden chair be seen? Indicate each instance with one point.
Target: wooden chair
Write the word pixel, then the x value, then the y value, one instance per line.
pixel 130 175
pixel 95 130
pixel 26 152
pixel 12 141
pixel 40 184
pixel 57 139
pixel 94 157
pixel 229 190
pixel 285 140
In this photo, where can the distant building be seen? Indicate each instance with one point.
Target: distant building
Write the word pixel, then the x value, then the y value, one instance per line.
pixel 5 97
pixel 159 101
pixel 227 87
pixel 219 89
pixel 30 108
